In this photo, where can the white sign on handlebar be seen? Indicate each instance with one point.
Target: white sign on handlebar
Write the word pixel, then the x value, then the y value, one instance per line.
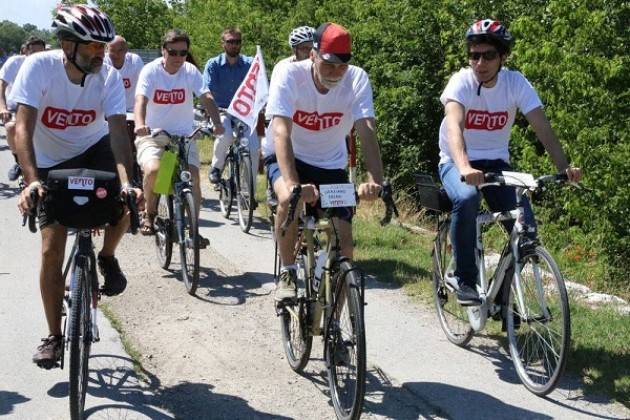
pixel 337 195
pixel 519 179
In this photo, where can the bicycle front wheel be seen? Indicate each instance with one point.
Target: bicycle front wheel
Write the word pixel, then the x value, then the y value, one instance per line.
pixel 189 244
pixel 245 193
pixel 538 322
pixel 226 189
pixel 164 230
pixel 345 345
pixel 80 336
pixel 296 339
pixel 452 316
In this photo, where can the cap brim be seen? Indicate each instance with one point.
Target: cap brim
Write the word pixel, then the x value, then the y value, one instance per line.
pixel 336 58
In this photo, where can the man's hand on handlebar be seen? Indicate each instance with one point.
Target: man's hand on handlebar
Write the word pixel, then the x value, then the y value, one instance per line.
pixel 310 194
pixel 5 116
pixel 574 174
pixel 25 201
pixel 472 176
pixel 369 191
pixel 218 129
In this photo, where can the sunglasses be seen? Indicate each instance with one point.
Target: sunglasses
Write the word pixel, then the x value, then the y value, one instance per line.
pixel 487 55
pixel 174 53
pixel 233 41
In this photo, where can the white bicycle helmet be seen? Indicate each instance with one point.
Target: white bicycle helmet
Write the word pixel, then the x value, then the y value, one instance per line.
pixel 300 35
pixel 85 23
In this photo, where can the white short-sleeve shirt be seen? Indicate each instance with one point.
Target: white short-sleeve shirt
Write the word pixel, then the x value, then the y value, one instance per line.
pixel 170 96
pixel 129 72
pixel 8 73
pixel 70 118
pixel 321 122
pixel 489 116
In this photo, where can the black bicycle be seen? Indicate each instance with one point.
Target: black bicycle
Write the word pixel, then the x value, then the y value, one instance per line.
pixel 176 215
pixel 238 180
pixel 84 200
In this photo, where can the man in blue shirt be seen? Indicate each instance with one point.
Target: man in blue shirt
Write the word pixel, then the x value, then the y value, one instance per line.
pixel 223 75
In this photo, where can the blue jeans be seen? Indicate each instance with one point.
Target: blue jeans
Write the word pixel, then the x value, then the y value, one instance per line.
pixel 466 200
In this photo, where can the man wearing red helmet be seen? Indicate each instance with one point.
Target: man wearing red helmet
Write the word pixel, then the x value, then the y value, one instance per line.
pixel 71 114
pixel 313 105
pixel 480 104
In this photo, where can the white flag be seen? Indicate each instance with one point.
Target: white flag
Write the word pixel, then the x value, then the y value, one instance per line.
pixel 252 94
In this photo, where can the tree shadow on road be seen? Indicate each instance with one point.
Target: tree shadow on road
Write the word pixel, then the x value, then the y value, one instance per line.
pixel 140 394
pixel 569 390
pixel 220 289
pixel 9 399
pixel 7 191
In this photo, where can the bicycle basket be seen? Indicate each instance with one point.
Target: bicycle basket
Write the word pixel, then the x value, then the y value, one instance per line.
pixel 431 196
pixel 83 198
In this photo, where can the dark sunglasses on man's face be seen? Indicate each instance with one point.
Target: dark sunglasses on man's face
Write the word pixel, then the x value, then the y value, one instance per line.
pixel 487 55
pixel 233 41
pixel 174 53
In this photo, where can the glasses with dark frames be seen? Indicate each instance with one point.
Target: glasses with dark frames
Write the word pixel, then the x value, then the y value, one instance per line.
pixel 487 55
pixel 233 41
pixel 174 53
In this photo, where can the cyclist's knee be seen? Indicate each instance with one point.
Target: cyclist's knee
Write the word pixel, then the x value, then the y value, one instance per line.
pixel 53 245
pixel 466 199
pixel 151 168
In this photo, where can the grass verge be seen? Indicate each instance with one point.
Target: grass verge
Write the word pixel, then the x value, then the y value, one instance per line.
pixel 133 353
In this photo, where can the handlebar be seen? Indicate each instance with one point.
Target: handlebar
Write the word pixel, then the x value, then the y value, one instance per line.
pixel 130 201
pixel 493 178
pixel 386 194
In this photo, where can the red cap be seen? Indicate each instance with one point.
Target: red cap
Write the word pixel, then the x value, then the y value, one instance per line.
pixel 333 43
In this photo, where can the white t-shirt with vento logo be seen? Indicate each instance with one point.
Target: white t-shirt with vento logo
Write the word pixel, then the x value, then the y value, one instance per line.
pixel 489 116
pixel 129 72
pixel 170 96
pixel 70 118
pixel 321 122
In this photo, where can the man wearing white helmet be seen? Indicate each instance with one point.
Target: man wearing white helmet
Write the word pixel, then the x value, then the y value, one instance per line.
pixel 71 114
pixel 301 43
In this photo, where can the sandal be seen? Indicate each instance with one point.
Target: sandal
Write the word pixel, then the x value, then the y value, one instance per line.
pixel 147 228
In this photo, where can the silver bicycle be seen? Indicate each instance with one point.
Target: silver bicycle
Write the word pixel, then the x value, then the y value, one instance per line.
pixel 525 289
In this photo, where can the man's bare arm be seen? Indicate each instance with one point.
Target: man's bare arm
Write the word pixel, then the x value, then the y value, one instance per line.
pixel 366 130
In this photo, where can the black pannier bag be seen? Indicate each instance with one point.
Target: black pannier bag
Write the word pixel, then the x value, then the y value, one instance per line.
pixel 430 195
pixel 83 198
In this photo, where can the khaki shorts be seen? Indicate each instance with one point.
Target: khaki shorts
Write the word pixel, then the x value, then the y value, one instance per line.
pixel 151 148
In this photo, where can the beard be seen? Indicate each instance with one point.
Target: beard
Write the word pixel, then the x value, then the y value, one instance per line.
pixel 92 66
pixel 233 53
pixel 329 84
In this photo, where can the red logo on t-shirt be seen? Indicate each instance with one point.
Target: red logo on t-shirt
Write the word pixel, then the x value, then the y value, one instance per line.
pixel 316 122
pixel 484 120
pixel 61 118
pixel 165 97
pixel 126 82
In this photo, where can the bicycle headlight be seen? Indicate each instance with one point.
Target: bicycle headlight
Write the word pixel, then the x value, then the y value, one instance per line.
pixel 244 142
pixel 185 176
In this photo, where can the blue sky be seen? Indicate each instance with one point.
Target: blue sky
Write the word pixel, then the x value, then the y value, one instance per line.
pixel 37 12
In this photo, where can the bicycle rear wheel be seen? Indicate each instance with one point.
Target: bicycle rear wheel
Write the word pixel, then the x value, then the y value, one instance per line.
pixel 226 189
pixel 189 244
pixel 245 194
pixel 345 345
pixel 539 327
pixel 296 339
pixel 164 230
pixel 80 337
pixel 452 316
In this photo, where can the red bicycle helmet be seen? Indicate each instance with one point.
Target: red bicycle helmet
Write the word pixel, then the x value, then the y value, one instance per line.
pixel 490 30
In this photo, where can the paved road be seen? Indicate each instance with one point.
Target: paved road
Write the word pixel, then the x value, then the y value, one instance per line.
pixel 413 371
pixel 27 392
